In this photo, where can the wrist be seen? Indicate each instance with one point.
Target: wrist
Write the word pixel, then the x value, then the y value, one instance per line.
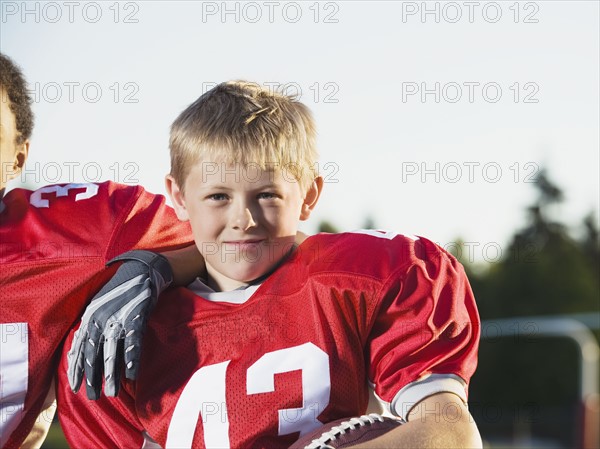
pixel 158 266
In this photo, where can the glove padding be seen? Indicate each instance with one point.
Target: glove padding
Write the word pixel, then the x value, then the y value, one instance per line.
pixel 113 324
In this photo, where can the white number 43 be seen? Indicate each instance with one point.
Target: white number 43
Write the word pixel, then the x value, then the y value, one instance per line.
pixel 207 386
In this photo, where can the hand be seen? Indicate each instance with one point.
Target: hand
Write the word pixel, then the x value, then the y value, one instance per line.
pixel 113 324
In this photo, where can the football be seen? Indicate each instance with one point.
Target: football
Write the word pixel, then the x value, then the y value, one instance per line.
pixel 347 432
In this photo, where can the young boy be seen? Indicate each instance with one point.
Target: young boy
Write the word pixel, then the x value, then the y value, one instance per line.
pixel 279 338
pixel 53 241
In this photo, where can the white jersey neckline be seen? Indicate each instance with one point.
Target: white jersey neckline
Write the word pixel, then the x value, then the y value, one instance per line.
pixel 237 296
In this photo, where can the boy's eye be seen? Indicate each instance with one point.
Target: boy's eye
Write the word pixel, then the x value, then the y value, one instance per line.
pixel 267 195
pixel 217 197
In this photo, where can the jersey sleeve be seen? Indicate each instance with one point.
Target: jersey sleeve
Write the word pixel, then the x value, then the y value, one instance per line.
pixel 106 422
pixel 426 332
pixel 144 221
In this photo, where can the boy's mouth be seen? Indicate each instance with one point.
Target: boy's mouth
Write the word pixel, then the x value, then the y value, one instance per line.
pixel 244 244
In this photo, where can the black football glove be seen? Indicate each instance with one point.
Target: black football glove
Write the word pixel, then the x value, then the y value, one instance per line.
pixel 113 324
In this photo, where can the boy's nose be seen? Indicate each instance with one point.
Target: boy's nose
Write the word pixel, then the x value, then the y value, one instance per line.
pixel 243 219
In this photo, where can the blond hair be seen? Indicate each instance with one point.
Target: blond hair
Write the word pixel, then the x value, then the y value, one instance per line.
pixel 242 122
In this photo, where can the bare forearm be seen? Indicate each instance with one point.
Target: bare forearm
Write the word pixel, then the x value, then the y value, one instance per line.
pixel 441 421
pixel 187 263
pixel 427 436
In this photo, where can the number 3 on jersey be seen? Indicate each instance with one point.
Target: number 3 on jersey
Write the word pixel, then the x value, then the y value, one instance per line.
pixel 38 199
pixel 205 393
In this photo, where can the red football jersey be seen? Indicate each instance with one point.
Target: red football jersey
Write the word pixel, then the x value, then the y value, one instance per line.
pixel 53 241
pixel 345 311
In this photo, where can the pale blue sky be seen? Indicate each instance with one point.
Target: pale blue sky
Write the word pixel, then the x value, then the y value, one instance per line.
pixel 518 89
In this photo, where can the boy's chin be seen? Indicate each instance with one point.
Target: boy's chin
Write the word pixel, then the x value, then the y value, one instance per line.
pixel 239 276
pixel 251 274
pixel 237 270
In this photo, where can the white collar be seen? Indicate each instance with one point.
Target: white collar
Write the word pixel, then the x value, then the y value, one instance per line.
pixel 238 296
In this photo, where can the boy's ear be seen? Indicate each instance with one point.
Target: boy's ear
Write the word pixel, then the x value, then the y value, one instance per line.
pixel 20 156
pixel 177 198
pixel 312 196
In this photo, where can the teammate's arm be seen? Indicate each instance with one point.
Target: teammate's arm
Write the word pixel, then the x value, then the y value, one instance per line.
pixel 186 264
pixel 113 324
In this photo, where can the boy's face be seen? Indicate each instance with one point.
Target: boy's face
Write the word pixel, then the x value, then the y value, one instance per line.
pixel 12 155
pixel 244 219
